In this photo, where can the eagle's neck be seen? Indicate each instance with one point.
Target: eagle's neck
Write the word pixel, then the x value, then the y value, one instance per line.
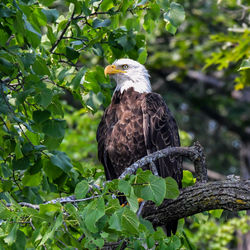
pixel 128 97
pixel 141 85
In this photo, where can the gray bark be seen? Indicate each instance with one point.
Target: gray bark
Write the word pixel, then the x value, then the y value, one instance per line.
pixel 231 194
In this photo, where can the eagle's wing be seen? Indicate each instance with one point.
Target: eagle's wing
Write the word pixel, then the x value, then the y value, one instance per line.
pixel 160 131
pixel 101 137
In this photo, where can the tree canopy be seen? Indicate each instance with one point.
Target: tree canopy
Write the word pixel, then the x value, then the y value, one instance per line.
pixel 52 94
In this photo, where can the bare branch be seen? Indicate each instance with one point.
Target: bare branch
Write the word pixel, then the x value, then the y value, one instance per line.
pixel 194 153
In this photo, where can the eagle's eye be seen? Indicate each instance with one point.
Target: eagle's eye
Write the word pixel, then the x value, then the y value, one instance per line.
pixel 125 66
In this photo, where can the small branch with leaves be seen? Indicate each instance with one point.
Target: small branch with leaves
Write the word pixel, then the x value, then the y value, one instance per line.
pixel 230 194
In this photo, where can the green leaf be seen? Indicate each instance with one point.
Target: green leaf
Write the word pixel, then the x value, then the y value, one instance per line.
pixel 132 200
pixel 112 206
pixel 49 209
pixel 51 142
pixel 61 160
pixel 175 242
pixel 129 222
pixel 147 224
pixel 20 164
pixel 216 213
pixel 97 49
pixel 44 97
pixel 47 2
pixel 245 64
pixel 142 177
pixel 106 5
pixel 155 190
pixel 40 67
pixel 99 243
pixel 85 9
pixel 93 101
pixel 5 213
pixel 98 23
pixel 32 180
pixel 155 11
pixel 11 238
pixel 174 17
pixel 71 54
pixel 77 79
pixel 20 240
pixel 6 67
pixel 29 27
pixel 81 189
pixel 172 190
pixel 33 137
pixel 115 222
pixel 150 242
pixel 18 151
pixel 40 116
pixel 187 179
pixel 5 11
pixel 50 232
pixel 6 185
pixel 51 35
pixel 124 187
pixel 142 55
pixel 171 28
pixel 52 171
pixel 93 212
pixel 51 14
pixel 6 171
pixel 54 128
pixel 125 5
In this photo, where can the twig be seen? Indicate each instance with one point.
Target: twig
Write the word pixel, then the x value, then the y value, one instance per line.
pixel 81 237
pixel 140 208
pixel 13 175
pixel 62 34
pixel 26 204
pixel 31 224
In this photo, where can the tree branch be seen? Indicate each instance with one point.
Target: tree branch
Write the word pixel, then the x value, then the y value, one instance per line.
pixel 212 175
pixel 232 195
pixel 194 153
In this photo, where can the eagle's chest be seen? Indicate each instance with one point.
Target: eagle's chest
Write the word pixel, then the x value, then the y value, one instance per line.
pixel 125 140
pixel 128 127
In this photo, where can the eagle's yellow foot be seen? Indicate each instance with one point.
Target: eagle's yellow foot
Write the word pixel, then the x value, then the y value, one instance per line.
pixel 140 200
pixel 124 204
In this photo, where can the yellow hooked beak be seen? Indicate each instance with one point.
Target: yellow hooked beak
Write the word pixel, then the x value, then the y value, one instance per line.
pixel 111 70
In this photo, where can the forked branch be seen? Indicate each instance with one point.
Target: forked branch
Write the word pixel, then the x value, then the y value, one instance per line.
pixel 194 153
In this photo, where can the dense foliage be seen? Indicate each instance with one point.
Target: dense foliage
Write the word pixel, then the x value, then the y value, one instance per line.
pixel 51 91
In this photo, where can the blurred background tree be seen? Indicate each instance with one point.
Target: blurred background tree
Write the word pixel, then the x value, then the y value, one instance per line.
pixel 53 92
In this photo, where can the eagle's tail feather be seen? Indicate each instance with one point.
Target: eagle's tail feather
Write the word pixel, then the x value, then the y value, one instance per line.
pixel 170 228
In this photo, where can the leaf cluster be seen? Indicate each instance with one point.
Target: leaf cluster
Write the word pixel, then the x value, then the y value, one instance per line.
pixel 48 55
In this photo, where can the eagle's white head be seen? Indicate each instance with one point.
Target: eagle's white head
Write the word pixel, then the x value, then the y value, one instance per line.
pixel 128 73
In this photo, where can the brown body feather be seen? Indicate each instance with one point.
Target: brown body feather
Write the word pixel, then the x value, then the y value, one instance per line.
pixel 134 125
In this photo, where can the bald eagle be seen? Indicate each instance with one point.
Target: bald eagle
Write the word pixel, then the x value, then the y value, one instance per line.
pixel 136 123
